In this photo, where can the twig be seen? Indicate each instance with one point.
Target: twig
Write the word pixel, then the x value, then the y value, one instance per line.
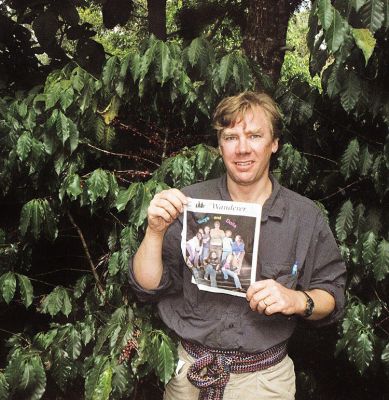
pixel 317 156
pixel 381 301
pixel 62 269
pixel 137 132
pixel 88 256
pixel 117 219
pixel 341 189
pixel 16 334
pixel 122 155
pixel 165 140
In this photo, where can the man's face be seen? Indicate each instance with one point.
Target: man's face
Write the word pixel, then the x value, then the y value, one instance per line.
pixel 246 148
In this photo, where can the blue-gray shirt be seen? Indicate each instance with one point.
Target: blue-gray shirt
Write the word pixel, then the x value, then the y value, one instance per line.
pixel 292 229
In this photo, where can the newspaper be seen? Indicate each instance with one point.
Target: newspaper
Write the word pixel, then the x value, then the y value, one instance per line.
pixel 220 244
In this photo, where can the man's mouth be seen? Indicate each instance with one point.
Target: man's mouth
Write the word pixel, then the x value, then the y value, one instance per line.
pixel 244 163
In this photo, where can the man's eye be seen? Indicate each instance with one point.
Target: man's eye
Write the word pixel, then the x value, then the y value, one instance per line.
pixel 254 137
pixel 229 138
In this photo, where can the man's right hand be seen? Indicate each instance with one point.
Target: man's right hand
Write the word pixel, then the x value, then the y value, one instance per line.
pixel 165 207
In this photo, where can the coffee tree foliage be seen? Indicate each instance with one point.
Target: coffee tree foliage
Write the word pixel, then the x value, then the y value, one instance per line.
pixel 83 154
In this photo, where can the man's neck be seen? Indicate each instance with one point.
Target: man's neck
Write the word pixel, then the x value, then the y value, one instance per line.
pixel 257 193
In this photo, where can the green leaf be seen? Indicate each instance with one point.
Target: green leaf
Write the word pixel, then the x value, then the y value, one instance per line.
pixel 66 303
pixel 73 136
pixel 365 40
pixel 135 66
pixel 53 94
pixel 381 261
pixel 334 84
pixel 163 357
pixel 62 127
pixel 351 92
pixel 365 162
pixel 62 369
pixel 357 4
pixel 33 379
pixel 372 13
pixel 369 247
pixel 112 110
pixel 56 301
pixel 105 135
pixel 110 71
pixel 4 387
pixel 164 62
pixel 113 266
pixel 241 72
pixel 182 171
pixel 226 68
pixel 73 187
pixel 98 185
pixel 8 286
pixel 23 146
pixel 205 159
pixel 139 205
pixel 78 79
pixel 80 286
pixel 86 98
pixel 325 13
pixel 344 221
pixel 37 215
pixel 93 376
pixel 384 358
pixel 196 51
pixel 22 109
pixel 336 34
pixel 350 159
pixel 73 347
pixel 363 352
pixel 66 98
pixel 104 385
pixel 116 321
pixel 26 290
pixel 125 196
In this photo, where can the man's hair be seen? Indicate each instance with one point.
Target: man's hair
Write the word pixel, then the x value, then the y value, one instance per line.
pixel 230 109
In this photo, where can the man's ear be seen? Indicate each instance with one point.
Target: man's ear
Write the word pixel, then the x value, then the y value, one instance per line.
pixel 274 147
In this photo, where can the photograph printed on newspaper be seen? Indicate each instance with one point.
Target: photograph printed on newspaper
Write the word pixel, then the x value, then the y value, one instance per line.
pixel 220 244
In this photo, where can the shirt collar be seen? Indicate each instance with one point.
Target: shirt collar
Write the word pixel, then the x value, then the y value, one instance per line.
pixel 274 206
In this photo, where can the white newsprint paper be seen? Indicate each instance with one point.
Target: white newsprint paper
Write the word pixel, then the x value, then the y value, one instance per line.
pixel 220 244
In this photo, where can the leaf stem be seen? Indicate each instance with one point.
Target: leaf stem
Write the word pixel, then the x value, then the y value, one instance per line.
pixel 87 253
pixel 341 189
pixel 122 155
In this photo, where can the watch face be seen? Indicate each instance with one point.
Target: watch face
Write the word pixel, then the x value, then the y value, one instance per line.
pixel 310 305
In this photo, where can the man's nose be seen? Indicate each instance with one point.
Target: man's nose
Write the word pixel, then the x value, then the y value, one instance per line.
pixel 243 146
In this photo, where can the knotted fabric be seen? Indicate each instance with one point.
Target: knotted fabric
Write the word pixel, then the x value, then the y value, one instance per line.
pixel 211 371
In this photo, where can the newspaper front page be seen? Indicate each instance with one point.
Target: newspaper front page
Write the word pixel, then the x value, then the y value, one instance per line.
pixel 220 244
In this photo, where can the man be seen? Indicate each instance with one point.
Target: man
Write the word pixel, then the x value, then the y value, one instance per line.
pixel 231 346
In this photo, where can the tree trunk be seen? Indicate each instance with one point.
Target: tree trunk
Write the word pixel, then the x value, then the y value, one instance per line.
pixel 265 35
pixel 157 18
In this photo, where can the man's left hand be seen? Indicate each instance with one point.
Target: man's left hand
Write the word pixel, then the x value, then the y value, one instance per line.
pixel 270 297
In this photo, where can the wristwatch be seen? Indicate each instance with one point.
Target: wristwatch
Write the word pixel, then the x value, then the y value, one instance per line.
pixel 309 306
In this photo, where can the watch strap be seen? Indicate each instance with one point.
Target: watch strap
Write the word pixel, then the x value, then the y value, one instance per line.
pixel 310 305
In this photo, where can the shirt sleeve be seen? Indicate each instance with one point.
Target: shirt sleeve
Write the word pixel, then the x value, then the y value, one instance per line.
pixel 173 262
pixel 325 270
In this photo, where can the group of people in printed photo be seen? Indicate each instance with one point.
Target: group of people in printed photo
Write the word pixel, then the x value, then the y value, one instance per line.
pixel 214 251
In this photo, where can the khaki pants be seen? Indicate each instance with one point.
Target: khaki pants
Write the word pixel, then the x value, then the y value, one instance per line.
pixel 274 383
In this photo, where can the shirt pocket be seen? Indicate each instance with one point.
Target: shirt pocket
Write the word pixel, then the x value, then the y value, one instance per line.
pixel 281 273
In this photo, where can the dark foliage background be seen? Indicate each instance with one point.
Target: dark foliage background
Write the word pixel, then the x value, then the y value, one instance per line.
pixel 105 103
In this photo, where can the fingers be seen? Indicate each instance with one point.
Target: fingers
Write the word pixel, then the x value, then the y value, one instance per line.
pixel 164 208
pixel 268 297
